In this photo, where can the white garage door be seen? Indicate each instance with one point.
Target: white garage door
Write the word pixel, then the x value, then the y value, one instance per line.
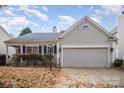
pixel 85 57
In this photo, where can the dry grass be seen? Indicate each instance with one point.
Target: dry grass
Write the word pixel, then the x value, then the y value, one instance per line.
pixel 28 77
pixel 40 78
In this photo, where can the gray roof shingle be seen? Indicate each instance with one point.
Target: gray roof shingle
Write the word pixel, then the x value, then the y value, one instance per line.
pixel 34 37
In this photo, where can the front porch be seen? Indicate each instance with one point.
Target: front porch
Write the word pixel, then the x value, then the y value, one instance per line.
pixel 40 49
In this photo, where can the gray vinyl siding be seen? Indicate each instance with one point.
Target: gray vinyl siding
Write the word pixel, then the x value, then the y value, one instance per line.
pixel 85 36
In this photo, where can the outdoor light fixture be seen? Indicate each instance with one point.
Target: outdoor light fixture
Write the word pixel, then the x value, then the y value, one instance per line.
pixel 111 49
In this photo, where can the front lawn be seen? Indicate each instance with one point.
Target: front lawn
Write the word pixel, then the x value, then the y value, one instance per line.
pixel 28 77
pixel 39 77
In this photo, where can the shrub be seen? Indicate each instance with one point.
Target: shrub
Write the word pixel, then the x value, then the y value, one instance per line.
pixel 32 59
pixel 118 62
pixel 3 59
pixel 15 60
pixel 45 59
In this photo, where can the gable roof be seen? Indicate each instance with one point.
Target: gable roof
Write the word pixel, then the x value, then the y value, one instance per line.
pixel 81 20
pixel 114 31
pixel 34 37
pixel 5 31
pixel 38 37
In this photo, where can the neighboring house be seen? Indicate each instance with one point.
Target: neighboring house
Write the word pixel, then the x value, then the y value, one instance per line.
pixel 84 44
pixel 118 31
pixel 3 37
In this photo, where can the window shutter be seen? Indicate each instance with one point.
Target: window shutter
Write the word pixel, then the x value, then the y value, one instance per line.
pixel 40 49
pixel 55 49
pixel 45 49
pixel 23 49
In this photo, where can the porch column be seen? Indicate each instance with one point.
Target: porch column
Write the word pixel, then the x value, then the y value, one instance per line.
pixel 61 56
pixel 43 50
pixel 7 59
pixel 21 49
pixel 57 52
pixel 47 50
pixel 113 56
pixel 108 57
pixel 21 52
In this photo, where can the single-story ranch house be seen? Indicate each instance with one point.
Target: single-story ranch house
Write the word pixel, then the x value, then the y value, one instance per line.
pixel 84 44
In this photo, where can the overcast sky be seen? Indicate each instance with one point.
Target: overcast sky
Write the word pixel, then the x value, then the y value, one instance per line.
pixel 43 18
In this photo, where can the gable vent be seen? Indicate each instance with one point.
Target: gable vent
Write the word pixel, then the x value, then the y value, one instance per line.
pixel 84 26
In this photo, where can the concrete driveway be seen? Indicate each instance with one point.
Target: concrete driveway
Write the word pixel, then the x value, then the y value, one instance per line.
pixel 110 76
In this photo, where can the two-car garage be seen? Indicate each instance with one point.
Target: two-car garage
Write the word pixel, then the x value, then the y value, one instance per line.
pixel 85 56
pixel 87 44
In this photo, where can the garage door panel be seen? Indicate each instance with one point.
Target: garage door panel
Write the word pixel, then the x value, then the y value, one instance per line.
pixel 85 57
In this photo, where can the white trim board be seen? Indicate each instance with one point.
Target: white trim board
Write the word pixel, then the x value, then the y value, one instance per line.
pixel 31 45
pixel 85 46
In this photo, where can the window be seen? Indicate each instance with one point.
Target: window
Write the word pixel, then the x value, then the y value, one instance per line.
pixel 18 50
pixel 48 48
pixel 51 49
pixel 32 49
pixel 35 50
pixel 29 49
